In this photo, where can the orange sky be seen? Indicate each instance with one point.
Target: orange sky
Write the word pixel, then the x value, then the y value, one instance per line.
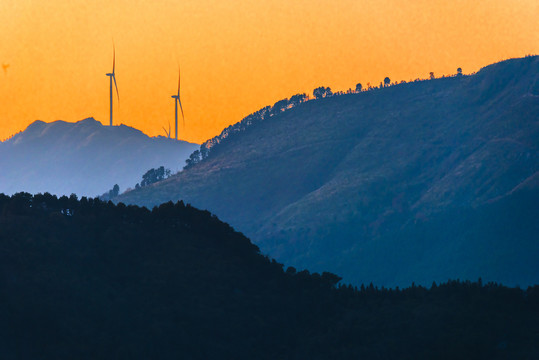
pixel 236 55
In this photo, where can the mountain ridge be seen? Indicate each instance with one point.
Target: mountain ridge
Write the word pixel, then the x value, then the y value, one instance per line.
pixel 311 184
pixel 84 157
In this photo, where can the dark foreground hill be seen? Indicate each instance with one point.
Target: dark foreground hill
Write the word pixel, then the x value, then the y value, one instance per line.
pixel 416 182
pixel 90 280
pixel 85 158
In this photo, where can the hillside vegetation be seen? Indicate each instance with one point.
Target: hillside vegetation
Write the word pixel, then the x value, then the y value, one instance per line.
pixel 91 280
pixel 419 181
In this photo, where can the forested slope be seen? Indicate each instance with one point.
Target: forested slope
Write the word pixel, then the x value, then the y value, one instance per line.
pixel 91 280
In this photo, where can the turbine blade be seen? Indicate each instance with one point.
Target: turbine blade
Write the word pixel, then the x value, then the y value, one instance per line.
pixel 183 118
pixel 179 78
pixel 113 58
pixel 166 132
pixel 116 86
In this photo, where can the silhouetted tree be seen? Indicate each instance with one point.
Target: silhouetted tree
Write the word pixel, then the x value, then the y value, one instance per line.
pixel 459 72
pixel 194 158
pixel 204 151
pixel 330 279
pixel 297 99
pixel 318 93
pixel 387 81
pixel 321 92
pixel 359 87
pixel 109 195
pixel 329 92
pixel 279 106
pixel 154 175
pixel 431 75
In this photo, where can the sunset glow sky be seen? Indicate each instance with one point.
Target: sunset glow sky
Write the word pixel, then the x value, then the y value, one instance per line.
pixel 237 55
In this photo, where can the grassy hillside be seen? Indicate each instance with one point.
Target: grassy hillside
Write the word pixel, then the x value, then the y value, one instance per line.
pixel 317 185
pixel 90 280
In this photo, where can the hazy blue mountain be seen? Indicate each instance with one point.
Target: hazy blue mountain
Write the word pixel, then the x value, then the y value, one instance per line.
pixel 85 157
pixel 419 181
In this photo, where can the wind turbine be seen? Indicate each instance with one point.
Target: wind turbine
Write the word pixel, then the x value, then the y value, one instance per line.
pixel 176 101
pixel 112 76
pixel 167 132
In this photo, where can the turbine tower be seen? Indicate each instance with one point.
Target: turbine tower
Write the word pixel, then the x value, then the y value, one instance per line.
pixel 176 101
pixel 112 76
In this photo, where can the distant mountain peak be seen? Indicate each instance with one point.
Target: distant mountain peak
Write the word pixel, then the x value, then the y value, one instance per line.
pixel 89 121
pixel 83 157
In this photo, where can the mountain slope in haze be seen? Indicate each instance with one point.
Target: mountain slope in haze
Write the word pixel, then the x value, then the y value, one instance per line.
pixel 85 157
pixel 348 183
pixel 90 280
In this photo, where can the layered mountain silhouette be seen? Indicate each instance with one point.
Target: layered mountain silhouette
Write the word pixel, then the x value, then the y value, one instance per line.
pixel 90 280
pixel 85 158
pixel 420 181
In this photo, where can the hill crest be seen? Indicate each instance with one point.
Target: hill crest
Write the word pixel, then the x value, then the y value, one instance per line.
pixel 326 183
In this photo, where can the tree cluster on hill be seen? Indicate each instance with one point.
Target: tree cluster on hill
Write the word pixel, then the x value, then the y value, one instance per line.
pixel 152 176
pixel 322 92
pixel 111 194
pixel 88 279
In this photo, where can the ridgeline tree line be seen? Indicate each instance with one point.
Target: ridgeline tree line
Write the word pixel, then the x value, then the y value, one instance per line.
pixel 90 279
pixel 283 105
pixel 154 175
